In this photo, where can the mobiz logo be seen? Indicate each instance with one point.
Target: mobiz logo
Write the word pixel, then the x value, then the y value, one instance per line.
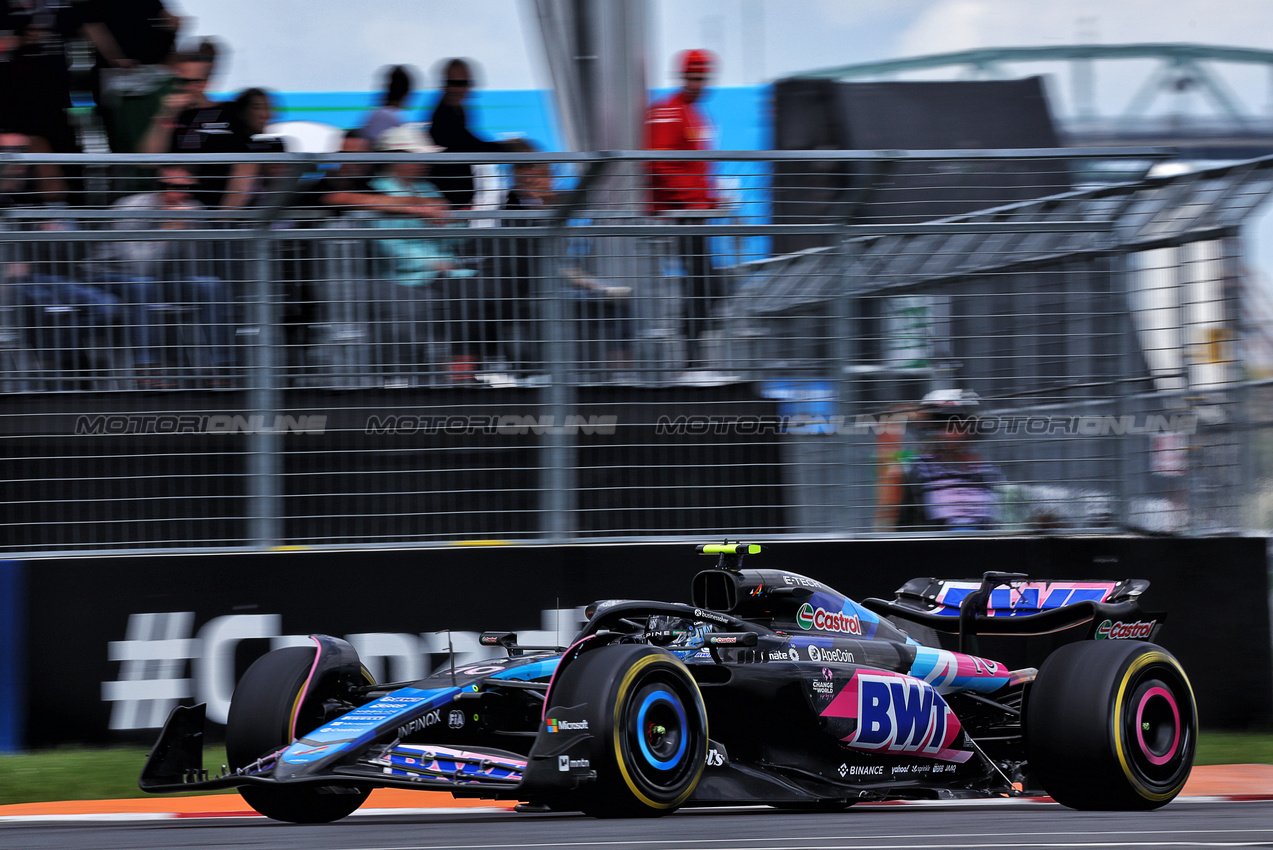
pixel 809 617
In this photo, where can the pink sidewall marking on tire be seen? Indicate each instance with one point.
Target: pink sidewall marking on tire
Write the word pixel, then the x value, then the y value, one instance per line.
pixel 1140 731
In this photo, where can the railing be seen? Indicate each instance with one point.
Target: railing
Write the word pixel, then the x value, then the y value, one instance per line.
pixel 302 374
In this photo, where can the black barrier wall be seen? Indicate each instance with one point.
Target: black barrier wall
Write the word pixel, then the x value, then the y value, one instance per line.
pixel 113 643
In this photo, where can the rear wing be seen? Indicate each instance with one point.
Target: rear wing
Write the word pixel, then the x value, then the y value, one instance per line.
pixel 1012 604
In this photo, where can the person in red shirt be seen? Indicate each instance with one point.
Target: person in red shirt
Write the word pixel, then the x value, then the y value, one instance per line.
pixel 676 124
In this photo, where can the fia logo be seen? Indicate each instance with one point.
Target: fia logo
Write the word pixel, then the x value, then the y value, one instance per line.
pixel 455 719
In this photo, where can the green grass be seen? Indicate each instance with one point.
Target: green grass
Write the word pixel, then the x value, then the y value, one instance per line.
pixel 1235 748
pixel 111 773
pixel 81 773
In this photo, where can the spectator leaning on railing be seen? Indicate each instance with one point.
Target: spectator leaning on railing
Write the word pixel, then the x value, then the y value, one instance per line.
pixel 146 275
pixel 404 295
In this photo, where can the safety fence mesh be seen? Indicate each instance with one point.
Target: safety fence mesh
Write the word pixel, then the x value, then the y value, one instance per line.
pixel 327 356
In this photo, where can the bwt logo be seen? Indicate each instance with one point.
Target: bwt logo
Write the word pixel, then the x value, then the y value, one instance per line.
pixel 197 423
pixel 900 715
pixel 511 424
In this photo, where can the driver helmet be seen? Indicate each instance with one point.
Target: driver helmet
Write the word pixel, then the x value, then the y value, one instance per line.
pixel 677 632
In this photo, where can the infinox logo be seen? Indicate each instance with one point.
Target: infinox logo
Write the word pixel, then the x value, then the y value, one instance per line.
pixel 809 617
pixel 1109 630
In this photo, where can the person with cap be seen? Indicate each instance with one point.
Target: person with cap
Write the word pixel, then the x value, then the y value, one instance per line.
pixel 676 187
pixel 677 124
pixel 947 485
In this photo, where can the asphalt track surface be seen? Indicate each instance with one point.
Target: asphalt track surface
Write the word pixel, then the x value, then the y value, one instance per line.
pixel 1184 823
pixel 1222 806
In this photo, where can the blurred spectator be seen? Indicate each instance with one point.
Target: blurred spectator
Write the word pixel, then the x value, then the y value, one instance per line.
pixel 947 485
pixel 417 271
pixel 677 188
pixel 190 122
pixel 391 112
pixel 449 128
pixel 349 187
pixel 148 276
pixel 69 323
pixel 249 115
pixel 35 81
pixel 676 124
pixel 602 309
pixel 186 109
pixel 13 175
pixel 134 40
pixel 519 268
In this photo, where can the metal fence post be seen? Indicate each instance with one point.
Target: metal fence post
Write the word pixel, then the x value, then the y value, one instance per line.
pixel 265 442
pixel 559 471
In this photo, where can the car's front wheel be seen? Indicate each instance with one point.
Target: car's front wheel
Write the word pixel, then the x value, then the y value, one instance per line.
pixel 264 716
pixel 649 745
pixel 1111 725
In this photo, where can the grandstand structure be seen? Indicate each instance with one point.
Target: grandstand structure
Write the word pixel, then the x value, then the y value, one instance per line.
pixel 1172 95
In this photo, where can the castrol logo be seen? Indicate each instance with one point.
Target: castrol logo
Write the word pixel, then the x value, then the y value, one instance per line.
pixel 809 617
pixel 1138 630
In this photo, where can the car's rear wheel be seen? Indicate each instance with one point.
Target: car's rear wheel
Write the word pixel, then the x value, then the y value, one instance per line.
pixel 649 744
pixel 264 716
pixel 1111 725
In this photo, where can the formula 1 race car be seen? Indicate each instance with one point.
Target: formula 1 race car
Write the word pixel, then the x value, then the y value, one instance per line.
pixel 771 688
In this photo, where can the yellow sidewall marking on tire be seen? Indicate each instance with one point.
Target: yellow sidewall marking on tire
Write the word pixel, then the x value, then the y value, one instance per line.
pixel 1143 661
pixel 620 694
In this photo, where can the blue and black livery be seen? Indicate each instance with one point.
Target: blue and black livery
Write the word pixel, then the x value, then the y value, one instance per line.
pixel 769 688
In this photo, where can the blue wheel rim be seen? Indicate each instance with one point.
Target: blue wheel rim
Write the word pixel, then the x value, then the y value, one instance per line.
pixel 652 699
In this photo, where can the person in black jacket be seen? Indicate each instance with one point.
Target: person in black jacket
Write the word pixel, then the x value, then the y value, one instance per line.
pixel 449 129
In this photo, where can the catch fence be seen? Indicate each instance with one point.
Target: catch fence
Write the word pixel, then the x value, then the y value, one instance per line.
pixel 313 369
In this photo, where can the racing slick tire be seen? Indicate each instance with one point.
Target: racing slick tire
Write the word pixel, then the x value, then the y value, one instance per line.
pixel 649 747
pixel 1111 725
pixel 260 722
